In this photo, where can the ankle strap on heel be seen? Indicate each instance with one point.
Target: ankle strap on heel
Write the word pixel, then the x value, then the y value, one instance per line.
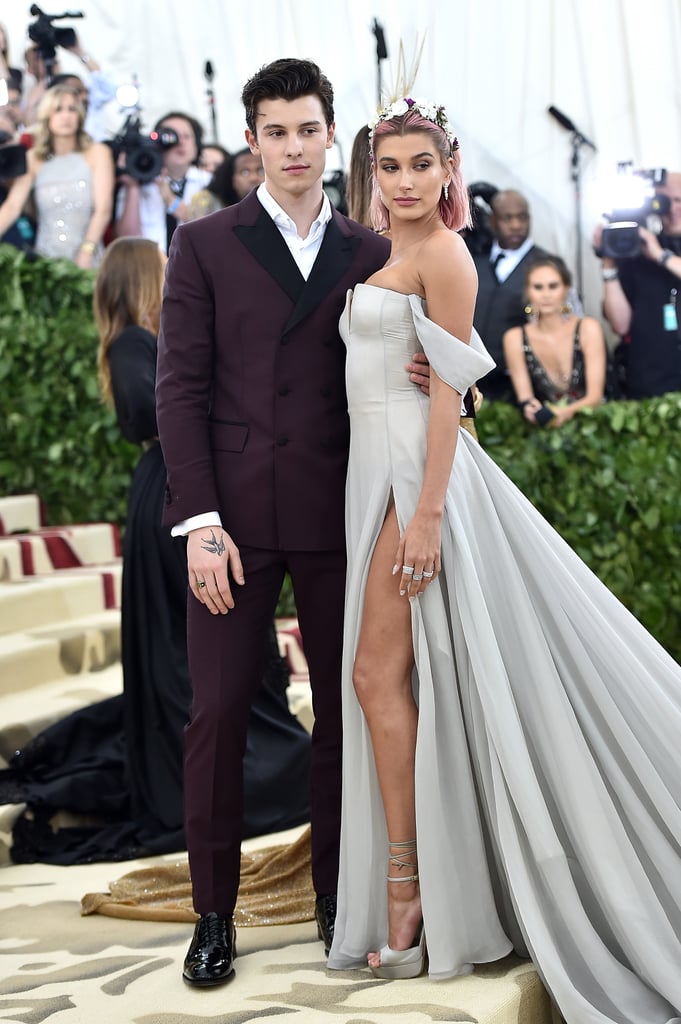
pixel 399 860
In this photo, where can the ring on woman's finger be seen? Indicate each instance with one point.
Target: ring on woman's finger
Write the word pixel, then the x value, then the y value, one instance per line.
pixel 428 575
pixel 418 576
pixel 408 570
pixel 202 583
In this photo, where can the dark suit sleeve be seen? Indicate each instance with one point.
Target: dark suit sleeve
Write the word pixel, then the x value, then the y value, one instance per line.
pixel 184 381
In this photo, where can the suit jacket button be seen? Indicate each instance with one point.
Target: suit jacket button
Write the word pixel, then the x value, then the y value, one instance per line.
pixel 168 497
pixel 282 440
pixel 284 390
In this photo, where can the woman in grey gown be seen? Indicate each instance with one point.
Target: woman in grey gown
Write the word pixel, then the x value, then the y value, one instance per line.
pixel 511 733
pixel 72 181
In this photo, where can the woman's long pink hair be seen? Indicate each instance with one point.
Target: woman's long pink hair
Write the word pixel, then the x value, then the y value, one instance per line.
pixel 455 211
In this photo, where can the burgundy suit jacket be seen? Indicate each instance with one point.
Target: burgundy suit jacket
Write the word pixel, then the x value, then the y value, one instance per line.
pixel 250 391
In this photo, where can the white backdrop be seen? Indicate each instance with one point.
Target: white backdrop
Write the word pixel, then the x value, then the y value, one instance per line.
pixel 611 65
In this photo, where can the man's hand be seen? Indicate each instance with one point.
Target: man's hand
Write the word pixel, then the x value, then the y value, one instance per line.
pixel 650 245
pixel 211 556
pixel 419 372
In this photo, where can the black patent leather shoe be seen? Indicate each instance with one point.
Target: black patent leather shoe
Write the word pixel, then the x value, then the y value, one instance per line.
pixel 210 957
pixel 325 912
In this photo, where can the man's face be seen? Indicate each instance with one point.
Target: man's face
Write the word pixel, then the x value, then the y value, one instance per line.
pixel 671 222
pixel 291 137
pixel 178 159
pixel 510 220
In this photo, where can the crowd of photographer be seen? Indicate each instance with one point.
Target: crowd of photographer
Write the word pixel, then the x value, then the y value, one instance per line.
pixel 641 273
pixel 67 188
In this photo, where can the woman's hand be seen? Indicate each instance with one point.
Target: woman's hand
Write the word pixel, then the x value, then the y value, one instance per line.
pixel 530 407
pixel 561 414
pixel 85 259
pixel 419 549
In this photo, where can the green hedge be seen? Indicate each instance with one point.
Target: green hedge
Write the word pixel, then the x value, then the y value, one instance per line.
pixel 608 481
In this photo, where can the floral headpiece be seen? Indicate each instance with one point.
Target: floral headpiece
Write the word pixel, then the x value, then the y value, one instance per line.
pixel 430 111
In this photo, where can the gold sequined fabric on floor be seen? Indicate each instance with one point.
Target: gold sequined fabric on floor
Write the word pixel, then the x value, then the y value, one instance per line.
pixel 276 888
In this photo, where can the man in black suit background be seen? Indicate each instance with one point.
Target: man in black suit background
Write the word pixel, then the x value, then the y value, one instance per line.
pixel 501 289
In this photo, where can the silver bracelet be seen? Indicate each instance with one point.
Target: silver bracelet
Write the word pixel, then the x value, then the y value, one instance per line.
pixel 665 257
pixel 86 58
pixel 610 274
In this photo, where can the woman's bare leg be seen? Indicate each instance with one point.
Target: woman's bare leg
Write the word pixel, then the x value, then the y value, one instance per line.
pixel 382 681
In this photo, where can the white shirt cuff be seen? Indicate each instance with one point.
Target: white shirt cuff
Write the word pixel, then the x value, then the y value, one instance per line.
pixel 185 526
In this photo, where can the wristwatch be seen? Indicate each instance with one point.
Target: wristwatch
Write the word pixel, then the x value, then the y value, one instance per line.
pixel 665 256
pixel 610 273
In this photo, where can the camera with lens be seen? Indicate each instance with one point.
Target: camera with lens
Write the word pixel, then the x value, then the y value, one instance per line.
pixel 46 37
pixel 143 154
pixel 637 200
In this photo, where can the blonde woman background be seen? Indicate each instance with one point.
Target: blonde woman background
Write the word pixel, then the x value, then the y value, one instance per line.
pixel 71 179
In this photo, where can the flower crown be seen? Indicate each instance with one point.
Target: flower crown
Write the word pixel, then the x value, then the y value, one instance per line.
pixel 430 111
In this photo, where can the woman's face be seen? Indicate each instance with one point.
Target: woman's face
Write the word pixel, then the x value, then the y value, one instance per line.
pixel 210 159
pixel 545 290
pixel 65 119
pixel 410 175
pixel 248 174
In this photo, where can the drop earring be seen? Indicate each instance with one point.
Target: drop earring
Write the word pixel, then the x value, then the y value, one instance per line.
pixel 445 190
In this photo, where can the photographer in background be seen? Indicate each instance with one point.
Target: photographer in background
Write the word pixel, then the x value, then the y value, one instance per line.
pixel 640 302
pixel 21 233
pixel 154 209
pixel 96 92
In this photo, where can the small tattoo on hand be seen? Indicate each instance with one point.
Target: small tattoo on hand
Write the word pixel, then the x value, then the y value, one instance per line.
pixel 215 546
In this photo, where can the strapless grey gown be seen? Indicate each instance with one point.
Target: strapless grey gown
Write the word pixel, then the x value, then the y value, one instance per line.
pixel 548 761
pixel 63 197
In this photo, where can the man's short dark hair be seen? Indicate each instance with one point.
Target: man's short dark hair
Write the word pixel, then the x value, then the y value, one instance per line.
pixel 287 79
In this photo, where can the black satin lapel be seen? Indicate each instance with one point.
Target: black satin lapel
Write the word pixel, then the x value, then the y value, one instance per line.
pixel 335 256
pixel 263 239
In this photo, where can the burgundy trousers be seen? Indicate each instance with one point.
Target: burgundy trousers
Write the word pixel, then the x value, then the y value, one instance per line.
pixel 226 654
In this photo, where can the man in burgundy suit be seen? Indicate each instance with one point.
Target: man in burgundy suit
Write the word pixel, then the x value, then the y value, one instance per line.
pixel 253 423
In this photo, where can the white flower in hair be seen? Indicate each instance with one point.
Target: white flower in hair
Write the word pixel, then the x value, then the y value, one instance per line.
pixel 395 107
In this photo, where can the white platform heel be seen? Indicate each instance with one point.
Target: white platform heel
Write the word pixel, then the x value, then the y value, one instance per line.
pixel 403 963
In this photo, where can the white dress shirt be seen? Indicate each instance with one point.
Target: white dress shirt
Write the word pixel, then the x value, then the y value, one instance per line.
pixel 510 258
pixel 304 252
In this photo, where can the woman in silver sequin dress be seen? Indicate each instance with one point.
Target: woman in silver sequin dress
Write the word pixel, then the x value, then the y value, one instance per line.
pixel 72 180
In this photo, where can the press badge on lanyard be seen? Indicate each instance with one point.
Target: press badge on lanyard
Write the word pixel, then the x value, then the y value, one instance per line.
pixel 671 322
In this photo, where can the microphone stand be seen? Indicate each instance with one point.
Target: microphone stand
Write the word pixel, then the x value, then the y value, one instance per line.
pixel 381 55
pixel 578 140
pixel 209 74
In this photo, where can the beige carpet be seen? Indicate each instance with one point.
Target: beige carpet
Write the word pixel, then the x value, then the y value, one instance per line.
pixel 63 968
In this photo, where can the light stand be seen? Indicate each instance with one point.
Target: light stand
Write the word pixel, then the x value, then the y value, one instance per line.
pixel 209 74
pixel 577 141
pixel 381 55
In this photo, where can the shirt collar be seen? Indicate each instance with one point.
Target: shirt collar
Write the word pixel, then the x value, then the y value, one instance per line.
pixel 281 217
pixel 516 254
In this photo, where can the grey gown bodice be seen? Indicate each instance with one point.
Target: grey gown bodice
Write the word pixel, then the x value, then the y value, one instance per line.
pixel 64 203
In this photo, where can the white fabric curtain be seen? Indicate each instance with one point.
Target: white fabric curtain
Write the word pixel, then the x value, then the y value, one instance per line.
pixel 611 66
